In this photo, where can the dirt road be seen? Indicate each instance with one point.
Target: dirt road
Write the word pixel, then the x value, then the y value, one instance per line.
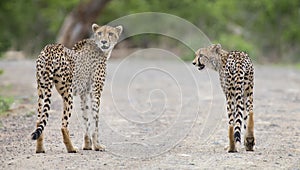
pixel 155 114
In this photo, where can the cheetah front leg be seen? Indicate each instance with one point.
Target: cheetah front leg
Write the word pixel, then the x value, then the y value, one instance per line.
pixel 87 142
pixel 95 111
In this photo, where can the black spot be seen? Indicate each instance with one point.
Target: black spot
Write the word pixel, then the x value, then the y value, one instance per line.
pixel 239 121
pixel 36 134
pixel 240 107
pixel 237 128
pixel 238 97
pixel 66 117
pixel 46 107
pixel 239 114
pixel 47 100
pixel 41 127
pixel 237 136
pixel 45 123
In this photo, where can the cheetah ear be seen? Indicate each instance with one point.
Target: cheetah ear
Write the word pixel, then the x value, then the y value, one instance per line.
pixel 95 27
pixel 217 48
pixel 119 29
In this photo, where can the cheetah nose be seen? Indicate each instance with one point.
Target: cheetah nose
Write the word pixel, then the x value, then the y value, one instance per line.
pixel 194 63
pixel 103 41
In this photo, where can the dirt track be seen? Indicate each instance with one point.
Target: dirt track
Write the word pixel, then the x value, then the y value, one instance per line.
pixel 153 118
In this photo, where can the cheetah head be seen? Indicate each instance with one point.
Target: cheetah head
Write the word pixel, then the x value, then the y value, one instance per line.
pixel 207 57
pixel 106 37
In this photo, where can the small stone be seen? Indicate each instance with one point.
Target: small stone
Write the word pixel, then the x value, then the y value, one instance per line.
pixel 184 155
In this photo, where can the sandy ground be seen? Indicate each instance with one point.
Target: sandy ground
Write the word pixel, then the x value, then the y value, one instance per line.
pixel 155 114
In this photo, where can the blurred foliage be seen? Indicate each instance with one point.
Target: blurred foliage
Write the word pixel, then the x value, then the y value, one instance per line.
pixel 31 24
pixel 268 28
pixel 5 103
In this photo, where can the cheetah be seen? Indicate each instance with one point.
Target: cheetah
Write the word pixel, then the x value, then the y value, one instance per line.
pixel 78 71
pixel 236 76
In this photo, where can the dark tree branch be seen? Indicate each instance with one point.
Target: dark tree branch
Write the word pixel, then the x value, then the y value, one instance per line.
pixel 77 24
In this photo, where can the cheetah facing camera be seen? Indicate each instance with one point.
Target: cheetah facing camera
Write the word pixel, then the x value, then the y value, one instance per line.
pixel 236 75
pixel 77 71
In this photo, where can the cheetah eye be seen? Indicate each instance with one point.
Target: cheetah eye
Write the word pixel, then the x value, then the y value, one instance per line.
pixel 201 55
pixel 110 34
pixel 100 33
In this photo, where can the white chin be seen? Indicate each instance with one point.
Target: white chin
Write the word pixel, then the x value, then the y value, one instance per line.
pixel 105 48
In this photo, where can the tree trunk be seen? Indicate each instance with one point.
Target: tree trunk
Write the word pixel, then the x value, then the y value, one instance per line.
pixel 78 24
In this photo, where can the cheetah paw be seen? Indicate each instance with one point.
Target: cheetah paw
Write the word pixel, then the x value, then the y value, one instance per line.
pixel 74 150
pixel 99 147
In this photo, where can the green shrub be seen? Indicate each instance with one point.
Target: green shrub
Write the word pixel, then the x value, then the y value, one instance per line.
pixel 236 42
pixel 5 103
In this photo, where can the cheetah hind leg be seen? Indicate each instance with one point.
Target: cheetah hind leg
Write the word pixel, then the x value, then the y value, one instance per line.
pixel 249 140
pixel 67 141
pixel 96 144
pixel 232 148
pixel 87 145
pixel 39 143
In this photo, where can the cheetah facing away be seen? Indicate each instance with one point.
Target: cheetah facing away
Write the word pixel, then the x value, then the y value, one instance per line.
pixel 236 76
pixel 77 71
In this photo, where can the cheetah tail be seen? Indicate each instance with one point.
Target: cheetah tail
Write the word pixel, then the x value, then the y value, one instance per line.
pixel 41 124
pixel 37 133
pixel 39 130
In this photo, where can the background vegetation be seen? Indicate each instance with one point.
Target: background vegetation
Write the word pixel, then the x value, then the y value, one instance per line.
pixel 268 28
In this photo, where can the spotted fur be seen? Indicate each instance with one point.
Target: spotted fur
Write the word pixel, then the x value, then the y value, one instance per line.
pixel 236 76
pixel 77 71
